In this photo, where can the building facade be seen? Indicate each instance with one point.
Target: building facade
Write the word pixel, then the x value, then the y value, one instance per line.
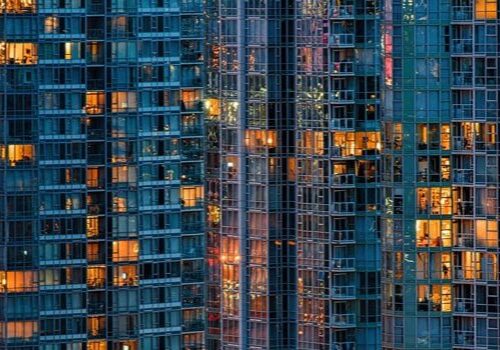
pixel 293 154
pixel 440 175
pixel 101 175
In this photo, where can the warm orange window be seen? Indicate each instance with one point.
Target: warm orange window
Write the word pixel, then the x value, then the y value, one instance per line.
pixel 125 276
pixel 433 233
pixel 17 6
pixel 18 329
pixel 257 140
pixel 125 250
pixel 96 345
pixel 18 53
pixel 123 101
pixel 17 154
pixel 92 226
pixel 191 195
pixel 486 9
pixel 18 281
pixel 96 326
pixel 212 107
pixel 95 102
pixel 96 276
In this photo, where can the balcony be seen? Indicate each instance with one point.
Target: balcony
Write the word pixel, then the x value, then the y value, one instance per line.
pixel 349 345
pixel 463 338
pixel 345 123
pixel 463 305
pixel 342 96
pixel 342 12
pixel 463 111
pixel 343 180
pixel 342 208
pixel 342 236
pixel 343 320
pixel 341 40
pixel 462 78
pixel 342 68
pixel 463 176
pixel 461 46
pixel 464 240
pixel 343 264
pixel 461 13
pixel 343 292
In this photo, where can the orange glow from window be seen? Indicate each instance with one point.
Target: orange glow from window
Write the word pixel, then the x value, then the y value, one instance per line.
pixel 17 6
pixel 191 195
pixel 18 329
pixel 486 9
pixel 123 101
pixel 18 281
pixel 125 251
pixel 125 276
pixel 96 345
pixel 96 276
pixel 258 140
pixel 433 233
pixel 212 106
pixel 18 53
pixel 17 154
pixel 95 102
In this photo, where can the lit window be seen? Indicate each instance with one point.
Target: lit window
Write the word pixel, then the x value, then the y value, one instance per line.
pixel 125 276
pixel 17 281
pixel 96 345
pixel 433 233
pixel 95 102
pixel 17 155
pixel 96 326
pixel 92 226
pixel 486 9
pixel 123 101
pixel 96 276
pixel 191 196
pixel 487 233
pixel 18 53
pixel 258 140
pixel 18 329
pixel 125 251
pixel 18 6
pixel 212 107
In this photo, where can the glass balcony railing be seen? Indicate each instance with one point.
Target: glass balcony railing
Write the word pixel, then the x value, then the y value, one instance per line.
pixel 342 96
pixel 461 13
pixel 463 337
pixel 342 12
pixel 343 179
pixel 463 305
pixel 461 46
pixel 341 40
pixel 342 236
pixel 343 320
pixel 342 208
pixel 343 264
pixel 343 292
pixel 349 345
pixel 342 68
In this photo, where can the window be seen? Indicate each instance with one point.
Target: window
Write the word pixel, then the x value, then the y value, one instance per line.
pixel 18 6
pixel 18 53
pixel 433 233
pixel 191 196
pixel 17 281
pixel 486 9
pixel 125 251
pixel 123 101
pixel 17 155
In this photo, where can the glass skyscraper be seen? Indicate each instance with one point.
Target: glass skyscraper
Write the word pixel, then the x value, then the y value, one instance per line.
pixel 293 135
pixel 101 175
pixel 440 175
pixel 280 174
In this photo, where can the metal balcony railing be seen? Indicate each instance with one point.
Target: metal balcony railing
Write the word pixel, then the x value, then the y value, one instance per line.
pixel 342 12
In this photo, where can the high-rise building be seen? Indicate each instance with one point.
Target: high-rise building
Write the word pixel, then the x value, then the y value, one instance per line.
pixel 101 175
pixel 292 166
pixel 440 175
